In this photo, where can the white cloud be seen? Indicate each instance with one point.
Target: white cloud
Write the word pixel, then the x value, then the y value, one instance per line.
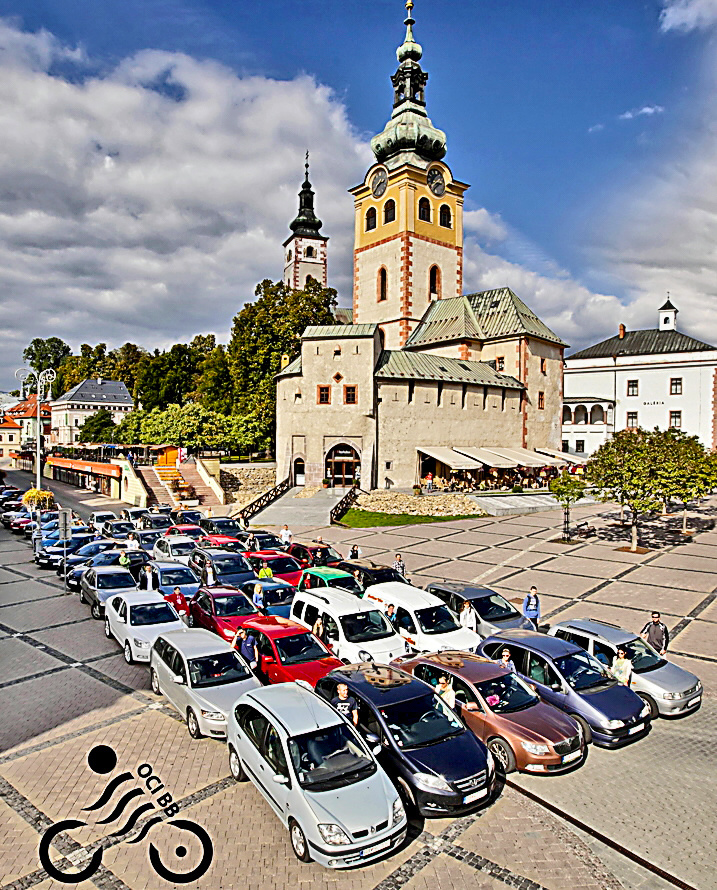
pixel 688 15
pixel 596 128
pixel 487 226
pixel 645 111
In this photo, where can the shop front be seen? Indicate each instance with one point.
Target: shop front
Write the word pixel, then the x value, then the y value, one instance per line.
pixel 97 477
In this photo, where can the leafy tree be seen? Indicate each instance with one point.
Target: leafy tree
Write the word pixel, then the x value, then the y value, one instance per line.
pixel 685 469
pixel 215 390
pixel 567 490
pixel 129 429
pixel 262 332
pixel 99 427
pixel 75 368
pixel 168 378
pixel 43 354
pixel 203 344
pixel 123 363
pixel 190 424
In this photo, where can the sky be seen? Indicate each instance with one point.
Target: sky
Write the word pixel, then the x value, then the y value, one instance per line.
pixel 152 151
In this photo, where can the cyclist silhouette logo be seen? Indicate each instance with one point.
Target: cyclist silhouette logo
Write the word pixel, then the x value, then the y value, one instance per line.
pixel 102 760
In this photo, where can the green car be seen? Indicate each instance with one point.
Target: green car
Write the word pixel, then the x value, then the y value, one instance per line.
pixel 316 578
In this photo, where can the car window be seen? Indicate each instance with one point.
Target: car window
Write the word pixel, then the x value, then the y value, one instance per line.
pixel 296 608
pixel 494 608
pixel 603 652
pixel 205 602
pixel 116 603
pixel 331 631
pixel 122 609
pixel 404 620
pixel 160 647
pixel 273 752
pixel 299 648
pixel 217 670
pixel 310 615
pixel 365 626
pixel 420 721
pixel 115 579
pixel 253 723
pixel 232 606
pixel 507 694
pixel 331 757
pixel 429 673
pixel 463 692
pixel 582 671
pixel 178 666
pixel 149 613
pixel 572 637
pixel 436 620
pixel 172 577
pixel 540 671
pixel 263 645
pixel 367 719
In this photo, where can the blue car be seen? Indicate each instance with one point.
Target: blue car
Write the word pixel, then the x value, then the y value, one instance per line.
pixel 168 575
pixel 84 553
pixel 52 552
pixel 564 675
pixel 278 595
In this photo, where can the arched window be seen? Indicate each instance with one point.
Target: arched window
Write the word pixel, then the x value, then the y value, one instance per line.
pixel 424 210
pixel 289 257
pixel 444 216
pixel 434 283
pixel 309 278
pixel 581 414
pixel 310 252
pixel 382 284
pixel 370 219
pixel 567 414
pixel 389 211
pixel 597 414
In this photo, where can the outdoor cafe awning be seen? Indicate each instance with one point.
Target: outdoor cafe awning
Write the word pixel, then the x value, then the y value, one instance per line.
pixel 521 456
pixel 564 456
pixel 489 458
pixel 452 459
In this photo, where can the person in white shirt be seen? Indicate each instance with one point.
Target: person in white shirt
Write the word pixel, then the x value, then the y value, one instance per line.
pixel 467 616
pixel 132 543
pixel 286 535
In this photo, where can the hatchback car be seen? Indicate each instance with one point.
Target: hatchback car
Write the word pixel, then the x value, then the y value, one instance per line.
pixel 146 538
pixel 222 542
pixel 221 525
pixel 521 731
pixel 138 559
pixel 136 619
pixel 221 610
pixel 314 554
pixel 368 573
pixel 154 521
pixel 119 529
pixel 228 568
pixel 201 676
pixel 565 675
pixel 668 690
pixel 176 548
pixel 322 579
pixel 317 774
pixel 287 651
pixel 133 515
pixel 277 595
pixel 100 584
pixel 440 766
pixel 492 611
pixel 281 564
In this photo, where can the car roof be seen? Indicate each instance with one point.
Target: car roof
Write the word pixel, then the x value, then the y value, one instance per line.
pixel 269 554
pixel 326 572
pixel 611 633
pixel 296 708
pixel 340 601
pixel 141 597
pixel 553 647
pixel 193 642
pixel 473 668
pixel 275 626
pixel 380 683
pixel 406 595
pixel 112 570
pixel 167 564
pixel 179 539
pixel 364 564
pixel 467 591
pixel 186 525
pixel 312 545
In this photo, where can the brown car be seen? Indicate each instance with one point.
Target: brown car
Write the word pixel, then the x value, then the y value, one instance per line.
pixel 521 731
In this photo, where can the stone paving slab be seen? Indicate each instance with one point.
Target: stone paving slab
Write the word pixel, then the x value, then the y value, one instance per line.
pixel 585 568
pixel 503 555
pixel 79 641
pixel 705 670
pixel 44 612
pixel 18 659
pixel 709 613
pixel 438 530
pixel 445 871
pixel 7 577
pixel 628 619
pixel 18 846
pixel 698 639
pixel 606 550
pixel 472 540
pixel 440 549
pixel 702 550
pixel 684 560
pixel 551 582
pixel 396 542
pixel 674 579
pixel 644 598
pixel 414 562
pixel 134 675
pixel 458 570
pixel 24 590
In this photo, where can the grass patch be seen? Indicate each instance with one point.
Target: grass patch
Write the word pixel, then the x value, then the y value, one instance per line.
pixel 369 519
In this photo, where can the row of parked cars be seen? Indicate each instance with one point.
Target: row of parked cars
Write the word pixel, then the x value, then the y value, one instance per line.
pixel 347 778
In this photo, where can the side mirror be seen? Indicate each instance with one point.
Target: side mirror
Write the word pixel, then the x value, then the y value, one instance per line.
pixel 268 659
pixel 177 679
pixel 557 687
pixel 280 780
pixel 376 750
pixel 372 739
pixel 470 706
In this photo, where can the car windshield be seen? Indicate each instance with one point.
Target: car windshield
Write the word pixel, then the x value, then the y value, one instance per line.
pixel 177 576
pixel 89 550
pixel 323 555
pixel 151 613
pixel 115 580
pixel 122 527
pixel 494 608
pixel 190 516
pixel 231 606
pixel 643 656
pixel 299 648
pixel 507 693
pixel 582 671
pixel 194 533
pixel 217 670
pixel 366 626
pixel 182 548
pixel 148 537
pixel 328 758
pixel 421 721
pixel 227 526
pixel 282 565
pixel 269 542
pixel 346 583
pixel 381 576
pixel 230 565
pixel 436 620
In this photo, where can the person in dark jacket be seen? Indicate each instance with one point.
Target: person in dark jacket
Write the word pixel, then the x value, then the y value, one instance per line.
pixel 656 634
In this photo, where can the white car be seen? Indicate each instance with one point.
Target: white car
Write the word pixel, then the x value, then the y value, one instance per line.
pixel 99 517
pixel 353 629
pixel 173 548
pixel 201 676
pixel 424 621
pixel 317 774
pixel 136 619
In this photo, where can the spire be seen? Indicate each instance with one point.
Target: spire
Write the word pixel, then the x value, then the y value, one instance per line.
pixel 306 222
pixel 410 130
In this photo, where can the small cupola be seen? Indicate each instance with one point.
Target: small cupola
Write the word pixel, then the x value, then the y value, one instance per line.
pixel 668 316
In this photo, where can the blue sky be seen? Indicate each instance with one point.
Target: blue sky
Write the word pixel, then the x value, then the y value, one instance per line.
pixel 579 125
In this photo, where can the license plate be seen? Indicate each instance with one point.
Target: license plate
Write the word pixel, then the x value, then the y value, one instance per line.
pixel 469 798
pixel 694 702
pixel 635 729
pixel 376 847
pixel 568 758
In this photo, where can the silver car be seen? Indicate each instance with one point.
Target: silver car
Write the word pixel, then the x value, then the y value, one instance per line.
pixel 493 613
pixel 669 690
pixel 98 584
pixel 317 774
pixel 200 675
pixel 174 548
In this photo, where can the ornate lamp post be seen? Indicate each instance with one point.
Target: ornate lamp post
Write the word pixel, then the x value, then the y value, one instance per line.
pixel 42 379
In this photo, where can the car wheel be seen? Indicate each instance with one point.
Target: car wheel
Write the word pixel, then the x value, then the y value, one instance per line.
pixel 587 732
pixel 83 598
pixel 108 631
pixel 650 702
pixel 95 611
pixel 128 652
pixel 298 842
pixel 235 767
pixel 193 724
pixel 503 753
pixel 190 620
pixel 154 680
pixel 407 796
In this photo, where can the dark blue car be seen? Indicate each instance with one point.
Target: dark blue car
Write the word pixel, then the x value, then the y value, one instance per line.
pixel 437 764
pixel 278 595
pixel 564 675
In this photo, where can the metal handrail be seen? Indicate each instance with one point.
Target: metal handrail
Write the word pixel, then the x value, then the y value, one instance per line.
pixel 258 504
pixel 345 504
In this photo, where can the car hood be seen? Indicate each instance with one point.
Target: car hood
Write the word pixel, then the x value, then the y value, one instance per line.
pixel 313 671
pixel 104 594
pixel 187 589
pixel 517 623
pixel 455 639
pixel 538 723
pixel 384 651
pixel 454 758
pixel 290 577
pixel 150 632
pixel 223 698
pixel 669 678
pixel 355 807
pixel 614 703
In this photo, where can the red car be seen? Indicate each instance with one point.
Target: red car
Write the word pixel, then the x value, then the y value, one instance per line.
pixel 191 531
pixel 281 565
pixel 314 554
pixel 221 609
pixel 226 542
pixel 288 651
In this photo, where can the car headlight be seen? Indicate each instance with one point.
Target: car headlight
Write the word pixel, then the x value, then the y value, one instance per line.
pixel 228 633
pixel 333 834
pixel 614 724
pixel 398 813
pixel 532 748
pixel 140 644
pixel 431 782
pixel 645 711
pixel 670 696
pixel 364 655
pixel 213 715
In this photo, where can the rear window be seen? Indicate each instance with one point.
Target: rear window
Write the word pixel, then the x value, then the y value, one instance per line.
pixel 115 580
pixel 178 576
pixel 284 565
pixel 183 548
pixel 227 526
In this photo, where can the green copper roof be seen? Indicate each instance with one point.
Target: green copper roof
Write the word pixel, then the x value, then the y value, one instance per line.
pixel 401 365
pixel 344 315
pixel 332 331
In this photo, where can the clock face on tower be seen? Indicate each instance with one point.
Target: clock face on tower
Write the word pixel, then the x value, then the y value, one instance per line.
pixel 379 181
pixel 436 182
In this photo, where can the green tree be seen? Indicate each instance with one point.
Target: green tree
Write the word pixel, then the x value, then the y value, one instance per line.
pixel 168 378
pixel 43 354
pixel 262 332
pixel 567 490
pixel 685 469
pixel 123 363
pixel 214 389
pixel 191 425
pixel 91 362
pixel 99 427
pixel 625 469
pixel 129 429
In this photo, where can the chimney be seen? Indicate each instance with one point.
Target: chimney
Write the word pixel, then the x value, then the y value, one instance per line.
pixel 621 332
pixel 99 381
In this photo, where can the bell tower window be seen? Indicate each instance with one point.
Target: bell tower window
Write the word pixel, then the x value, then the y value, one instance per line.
pixel 434 283
pixel 370 219
pixel 310 251
pixel 382 284
pixel 424 210
pixel 389 211
pixel 444 216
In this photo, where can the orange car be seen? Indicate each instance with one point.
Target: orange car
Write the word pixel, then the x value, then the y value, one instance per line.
pixel 521 731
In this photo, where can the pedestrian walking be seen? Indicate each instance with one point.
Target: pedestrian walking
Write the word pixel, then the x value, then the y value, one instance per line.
pixel 621 667
pixel 345 704
pixel 286 535
pixel 246 645
pixel 467 616
pixel 656 634
pixel 399 565
pixel 531 607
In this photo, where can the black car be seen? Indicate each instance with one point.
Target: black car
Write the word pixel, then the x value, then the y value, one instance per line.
pixel 370 573
pixel 117 528
pixel 187 517
pixel 155 521
pixel 137 560
pixel 51 552
pixel 263 540
pixel 438 765
pixel 229 568
pixel 84 553
pixel 222 525
pixel 147 537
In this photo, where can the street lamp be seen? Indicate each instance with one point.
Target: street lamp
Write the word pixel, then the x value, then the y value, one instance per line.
pixel 42 379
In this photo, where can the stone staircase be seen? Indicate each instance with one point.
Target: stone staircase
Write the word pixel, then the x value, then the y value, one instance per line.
pixel 206 496
pixel 156 492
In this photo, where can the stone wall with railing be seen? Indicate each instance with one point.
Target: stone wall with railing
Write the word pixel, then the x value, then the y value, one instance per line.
pixel 244 484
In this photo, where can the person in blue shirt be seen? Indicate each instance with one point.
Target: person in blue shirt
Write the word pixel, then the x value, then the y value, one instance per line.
pixel 531 607
pixel 247 647
pixel 506 661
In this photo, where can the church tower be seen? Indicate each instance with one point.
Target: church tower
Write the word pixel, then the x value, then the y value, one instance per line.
pixel 305 250
pixel 408 237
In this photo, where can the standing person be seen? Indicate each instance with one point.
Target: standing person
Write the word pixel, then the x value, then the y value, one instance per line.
pixel 399 565
pixel 345 704
pixel 132 542
pixel 251 542
pixel 357 474
pixel 446 692
pixel 467 616
pixel 506 661
pixel 258 597
pixel 209 513
pixel 286 535
pixel 391 613
pixel 146 579
pixel 265 571
pixel 208 575
pixel 656 634
pixel 123 559
pixel 429 481
pixel 531 607
pixel 355 552
pixel 247 647
pixel 621 668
